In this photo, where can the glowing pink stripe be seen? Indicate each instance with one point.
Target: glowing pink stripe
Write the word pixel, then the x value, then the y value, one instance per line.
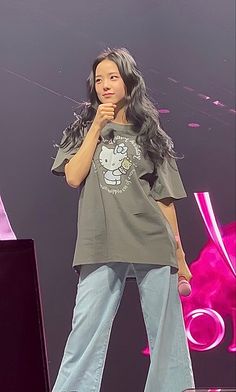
pixel 232 347
pixel 219 329
pixel 204 204
pixel 215 390
pixel 6 232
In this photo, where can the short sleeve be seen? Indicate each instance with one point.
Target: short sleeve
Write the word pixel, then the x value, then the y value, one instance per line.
pixel 62 157
pixel 168 182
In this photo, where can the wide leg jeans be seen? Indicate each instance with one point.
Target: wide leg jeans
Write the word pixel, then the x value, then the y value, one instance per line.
pixel 99 294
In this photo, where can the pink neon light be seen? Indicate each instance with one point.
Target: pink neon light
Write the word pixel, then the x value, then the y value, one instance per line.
pixel 213 325
pixel 164 111
pixel 215 390
pixel 193 125
pixel 213 289
pixel 232 347
pixel 6 232
pixel 146 351
pixel 213 296
pixel 204 204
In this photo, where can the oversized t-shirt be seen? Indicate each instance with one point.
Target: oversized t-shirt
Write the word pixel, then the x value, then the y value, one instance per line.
pixel 119 219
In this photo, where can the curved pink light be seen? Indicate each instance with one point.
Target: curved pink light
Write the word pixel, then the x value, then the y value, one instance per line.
pixel 204 204
pixel 213 287
pixel 232 346
pixel 200 343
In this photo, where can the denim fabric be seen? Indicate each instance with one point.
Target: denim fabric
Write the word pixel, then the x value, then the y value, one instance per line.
pixel 99 294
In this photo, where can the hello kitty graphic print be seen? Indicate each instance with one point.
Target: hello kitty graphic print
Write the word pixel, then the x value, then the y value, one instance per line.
pixel 116 161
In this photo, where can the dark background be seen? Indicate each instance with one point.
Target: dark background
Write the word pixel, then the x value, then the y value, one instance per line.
pixel 46 51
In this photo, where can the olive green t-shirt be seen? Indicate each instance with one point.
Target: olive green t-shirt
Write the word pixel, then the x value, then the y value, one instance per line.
pixel 119 219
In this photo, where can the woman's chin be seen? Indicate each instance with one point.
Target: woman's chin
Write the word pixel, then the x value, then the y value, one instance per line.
pixel 109 100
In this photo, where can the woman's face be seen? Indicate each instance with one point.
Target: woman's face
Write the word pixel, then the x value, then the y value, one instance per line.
pixel 109 85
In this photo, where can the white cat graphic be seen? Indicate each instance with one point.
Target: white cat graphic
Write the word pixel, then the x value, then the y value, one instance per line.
pixel 116 162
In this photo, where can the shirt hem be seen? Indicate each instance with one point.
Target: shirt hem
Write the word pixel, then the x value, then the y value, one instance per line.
pixel 121 260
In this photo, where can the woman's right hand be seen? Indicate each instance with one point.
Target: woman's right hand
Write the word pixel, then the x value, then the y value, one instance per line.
pixel 105 113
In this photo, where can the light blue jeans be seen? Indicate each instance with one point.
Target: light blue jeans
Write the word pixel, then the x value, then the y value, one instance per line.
pixel 100 290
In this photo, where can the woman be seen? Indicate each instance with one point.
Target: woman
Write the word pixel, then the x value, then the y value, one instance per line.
pixel 124 164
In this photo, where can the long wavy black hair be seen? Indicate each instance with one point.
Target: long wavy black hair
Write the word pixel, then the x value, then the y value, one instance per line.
pixel 139 109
